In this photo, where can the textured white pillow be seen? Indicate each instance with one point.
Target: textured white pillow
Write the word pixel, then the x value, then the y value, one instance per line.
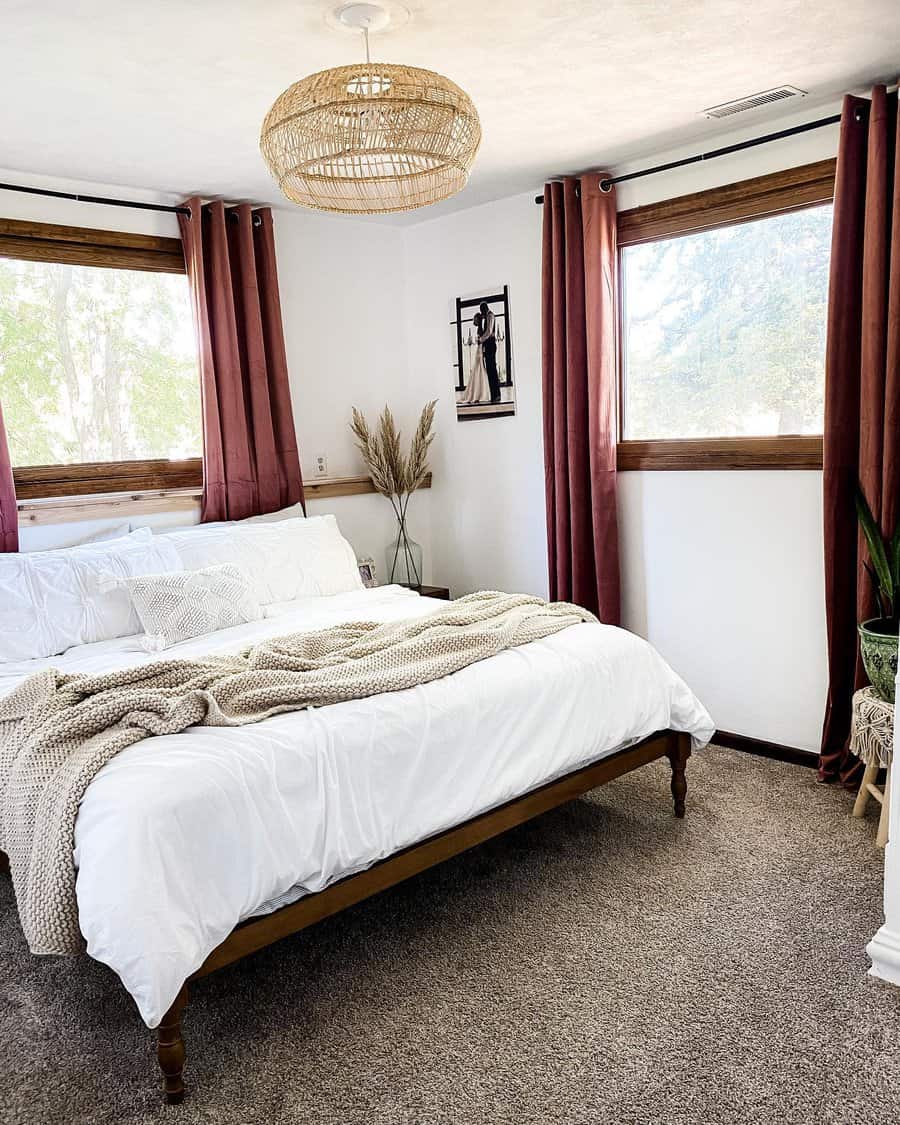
pixel 51 601
pixel 176 607
pixel 281 561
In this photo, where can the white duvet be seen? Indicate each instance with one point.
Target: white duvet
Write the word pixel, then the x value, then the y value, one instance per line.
pixel 182 836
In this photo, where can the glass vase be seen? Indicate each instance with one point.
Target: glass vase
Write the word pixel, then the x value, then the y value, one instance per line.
pixel 404 559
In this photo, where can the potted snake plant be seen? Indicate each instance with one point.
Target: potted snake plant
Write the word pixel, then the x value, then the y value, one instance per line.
pixel 878 637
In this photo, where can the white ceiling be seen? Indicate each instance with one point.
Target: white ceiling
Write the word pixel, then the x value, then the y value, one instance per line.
pixel 168 95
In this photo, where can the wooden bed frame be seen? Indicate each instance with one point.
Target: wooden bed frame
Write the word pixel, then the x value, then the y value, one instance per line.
pixel 257 933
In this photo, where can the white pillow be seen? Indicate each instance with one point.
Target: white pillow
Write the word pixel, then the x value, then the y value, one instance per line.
pixel 191 603
pixel 78 539
pixel 281 561
pixel 104 535
pixel 295 511
pixel 51 601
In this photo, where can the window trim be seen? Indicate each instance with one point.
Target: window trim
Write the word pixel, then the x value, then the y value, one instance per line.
pixel 786 451
pixel 795 189
pixel 38 482
pixel 85 246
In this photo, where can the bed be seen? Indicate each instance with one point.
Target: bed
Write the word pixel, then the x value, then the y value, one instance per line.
pixel 195 849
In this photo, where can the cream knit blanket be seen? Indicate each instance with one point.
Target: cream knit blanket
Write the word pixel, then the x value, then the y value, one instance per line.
pixel 57 731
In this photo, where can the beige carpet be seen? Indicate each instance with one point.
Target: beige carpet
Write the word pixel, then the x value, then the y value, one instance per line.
pixel 605 963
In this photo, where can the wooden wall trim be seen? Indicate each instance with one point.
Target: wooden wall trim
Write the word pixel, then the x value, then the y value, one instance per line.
pixel 122 505
pixel 807 186
pixel 72 509
pixel 774 750
pixel 692 454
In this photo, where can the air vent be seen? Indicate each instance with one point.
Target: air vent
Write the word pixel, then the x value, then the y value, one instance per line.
pixel 754 101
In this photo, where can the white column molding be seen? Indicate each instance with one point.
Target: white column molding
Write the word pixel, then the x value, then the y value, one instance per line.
pixel 884 948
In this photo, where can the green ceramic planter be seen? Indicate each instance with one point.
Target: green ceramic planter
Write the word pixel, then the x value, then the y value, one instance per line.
pixel 878 646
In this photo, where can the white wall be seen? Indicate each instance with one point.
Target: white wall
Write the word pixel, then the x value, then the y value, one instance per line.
pixel 721 571
pixel 342 301
pixel 488 522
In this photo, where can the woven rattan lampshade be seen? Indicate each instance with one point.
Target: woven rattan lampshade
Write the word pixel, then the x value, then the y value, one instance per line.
pixel 371 138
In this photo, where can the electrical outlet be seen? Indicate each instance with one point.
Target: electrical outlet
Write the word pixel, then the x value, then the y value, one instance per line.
pixel 321 466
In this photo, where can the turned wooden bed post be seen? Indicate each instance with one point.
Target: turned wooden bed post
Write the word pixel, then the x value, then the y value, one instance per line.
pixel 170 1048
pixel 678 753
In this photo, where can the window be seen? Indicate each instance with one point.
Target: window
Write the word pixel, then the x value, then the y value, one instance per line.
pixel 98 362
pixel 723 300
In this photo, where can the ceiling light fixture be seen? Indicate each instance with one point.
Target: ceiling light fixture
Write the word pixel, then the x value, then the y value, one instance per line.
pixel 370 139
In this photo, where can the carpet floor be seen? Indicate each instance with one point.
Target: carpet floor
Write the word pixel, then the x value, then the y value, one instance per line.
pixel 603 964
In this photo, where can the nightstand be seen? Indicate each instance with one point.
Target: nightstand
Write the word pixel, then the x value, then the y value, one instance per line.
pixel 433 592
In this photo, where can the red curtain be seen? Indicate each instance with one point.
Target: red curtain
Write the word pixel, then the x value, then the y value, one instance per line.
pixel 250 459
pixel 579 378
pixel 9 515
pixel 862 393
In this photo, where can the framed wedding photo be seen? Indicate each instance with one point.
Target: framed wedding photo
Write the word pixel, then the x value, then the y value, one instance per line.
pixel 367 573
pixel 484 375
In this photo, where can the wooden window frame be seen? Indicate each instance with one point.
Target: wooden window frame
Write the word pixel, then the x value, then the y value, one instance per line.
pixel 83 246
pixel 811 185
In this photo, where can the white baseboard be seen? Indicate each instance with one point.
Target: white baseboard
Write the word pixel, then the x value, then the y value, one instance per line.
pixel 884 953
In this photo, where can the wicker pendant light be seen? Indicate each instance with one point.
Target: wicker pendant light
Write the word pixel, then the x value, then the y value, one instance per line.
pixel 371 138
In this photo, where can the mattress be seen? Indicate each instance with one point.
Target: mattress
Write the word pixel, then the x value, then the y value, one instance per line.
pixel 181 837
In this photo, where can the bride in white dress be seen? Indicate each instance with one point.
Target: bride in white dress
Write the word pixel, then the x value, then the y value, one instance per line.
pixel 477 387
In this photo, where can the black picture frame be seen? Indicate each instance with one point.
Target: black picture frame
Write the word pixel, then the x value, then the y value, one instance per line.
pixel 465 310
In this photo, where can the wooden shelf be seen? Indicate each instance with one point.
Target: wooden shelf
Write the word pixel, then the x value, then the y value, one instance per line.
pixel 123 505
pixel 117 505
pixel 325 487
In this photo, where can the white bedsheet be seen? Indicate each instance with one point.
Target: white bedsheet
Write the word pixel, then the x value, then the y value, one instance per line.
pixel 182 836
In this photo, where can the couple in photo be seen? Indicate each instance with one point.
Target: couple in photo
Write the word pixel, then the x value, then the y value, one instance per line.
pixel 484 381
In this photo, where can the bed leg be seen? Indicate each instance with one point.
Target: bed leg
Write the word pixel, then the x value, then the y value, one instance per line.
pixel 170 1048
pixel 678 753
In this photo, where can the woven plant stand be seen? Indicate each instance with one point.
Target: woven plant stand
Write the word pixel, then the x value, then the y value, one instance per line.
pixel 872 741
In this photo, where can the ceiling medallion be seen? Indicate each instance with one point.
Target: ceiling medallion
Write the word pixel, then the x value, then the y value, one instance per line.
pixel 371 138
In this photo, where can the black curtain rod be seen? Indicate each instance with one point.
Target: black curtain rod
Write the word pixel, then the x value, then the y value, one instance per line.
pixel 605 185
pixel 96 199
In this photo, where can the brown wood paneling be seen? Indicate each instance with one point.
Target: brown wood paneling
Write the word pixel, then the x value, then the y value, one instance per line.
pixel 258 933
pixel 788 452
pixel 41 481
pixel 51 242
pixel 789 190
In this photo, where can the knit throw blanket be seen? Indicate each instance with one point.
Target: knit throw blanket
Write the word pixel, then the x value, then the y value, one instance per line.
pixel 57 731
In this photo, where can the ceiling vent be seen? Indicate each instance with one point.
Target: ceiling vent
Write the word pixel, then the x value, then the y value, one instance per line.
pixel 754 101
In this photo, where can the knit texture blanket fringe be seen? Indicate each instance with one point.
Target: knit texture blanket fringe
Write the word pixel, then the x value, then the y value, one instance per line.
pixel 57 731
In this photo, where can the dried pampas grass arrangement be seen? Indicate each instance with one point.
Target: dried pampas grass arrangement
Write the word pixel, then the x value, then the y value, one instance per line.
pixel 395 476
